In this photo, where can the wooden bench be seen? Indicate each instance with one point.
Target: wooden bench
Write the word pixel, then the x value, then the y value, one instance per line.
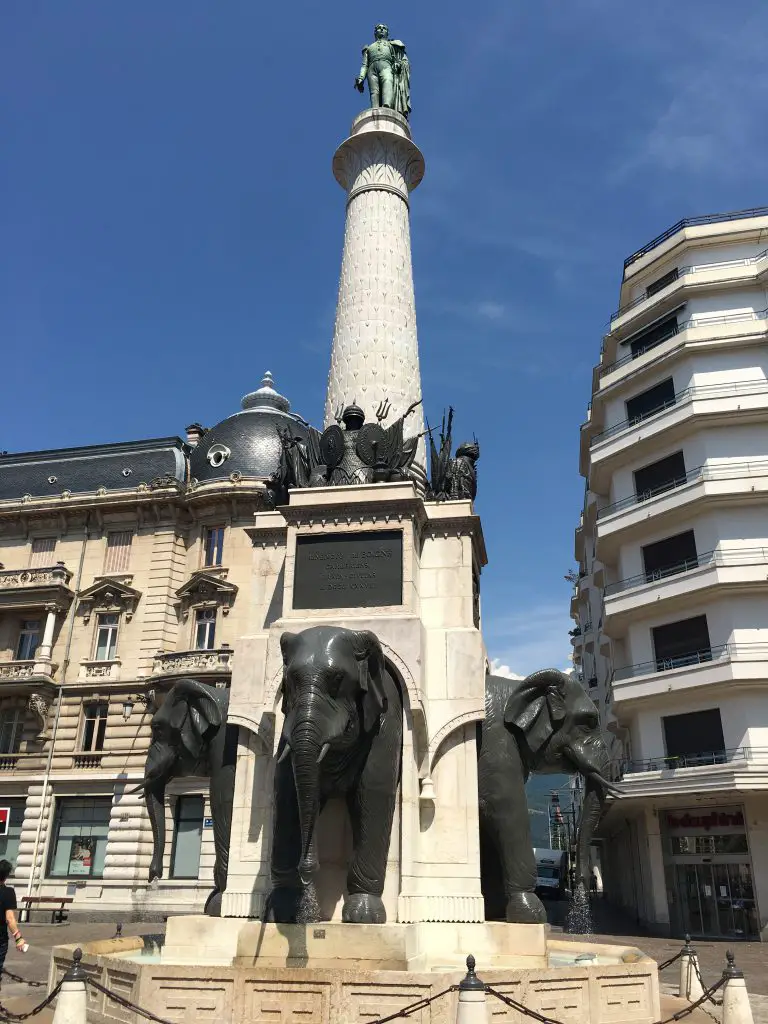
pixel 59 902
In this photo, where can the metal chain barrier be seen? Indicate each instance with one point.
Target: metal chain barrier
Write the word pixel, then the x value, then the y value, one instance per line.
pixel 715 1002
pixel 24 981
pixel 7 1015
pixel 672 960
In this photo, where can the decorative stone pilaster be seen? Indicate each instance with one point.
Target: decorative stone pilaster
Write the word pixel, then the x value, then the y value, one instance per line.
pixel 375 351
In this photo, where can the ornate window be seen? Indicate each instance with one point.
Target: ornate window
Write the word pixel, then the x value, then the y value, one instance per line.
pixel 118 554
pixel 109 595
pixel 11 729
pixel 42 552
pixel 94 725
pixel 213 548
pixel 29 639
pixel 205 629
pixel 106 637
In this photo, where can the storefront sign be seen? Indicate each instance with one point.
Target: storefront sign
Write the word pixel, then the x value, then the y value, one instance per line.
pixel 207 822
pixel 5 820
pixel 706 820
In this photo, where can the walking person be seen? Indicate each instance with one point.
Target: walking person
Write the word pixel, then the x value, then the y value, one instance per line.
pixel 8 923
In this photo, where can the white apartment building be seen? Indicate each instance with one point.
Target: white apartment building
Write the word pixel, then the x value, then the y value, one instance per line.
pixel 671 604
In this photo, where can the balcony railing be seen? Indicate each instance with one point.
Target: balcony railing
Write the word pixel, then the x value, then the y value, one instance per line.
pixel 181 663
pixel 109 760
pixel 703 391
pixel 728 318
pixel 11 671
pixel 738 556
pixel 723 652
pixel 672 762
pixel 697 268
pixel 48 576
pixel 690 222
pixel 726 471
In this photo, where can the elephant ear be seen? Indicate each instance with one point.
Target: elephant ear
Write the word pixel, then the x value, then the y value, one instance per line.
pixel 370 658
pixel 195 715
pixel 537 707
pixel 287 648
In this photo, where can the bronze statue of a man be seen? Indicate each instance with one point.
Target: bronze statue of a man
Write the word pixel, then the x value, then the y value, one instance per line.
pixel 388 71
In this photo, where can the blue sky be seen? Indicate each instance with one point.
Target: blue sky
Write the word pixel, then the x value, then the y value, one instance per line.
pixel 170 226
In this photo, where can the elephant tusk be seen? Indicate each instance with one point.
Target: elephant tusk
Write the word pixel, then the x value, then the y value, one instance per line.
pixel 285 753
pixel 323 751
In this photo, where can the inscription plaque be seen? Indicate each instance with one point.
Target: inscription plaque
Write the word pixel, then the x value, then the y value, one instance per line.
pixel 349 570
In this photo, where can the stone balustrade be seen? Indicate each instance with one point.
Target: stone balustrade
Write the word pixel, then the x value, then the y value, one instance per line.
pixel 106 670
pixel 13 671
pixel 48 576
pixel 217 662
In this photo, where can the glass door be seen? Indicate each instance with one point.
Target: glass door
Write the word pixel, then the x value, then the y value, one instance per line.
pixel 716 900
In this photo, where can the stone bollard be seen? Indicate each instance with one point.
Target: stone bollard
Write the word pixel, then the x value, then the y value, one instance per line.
pixel 71 1001
pixel 471 1007
pixel 736 1008
pixel 690 986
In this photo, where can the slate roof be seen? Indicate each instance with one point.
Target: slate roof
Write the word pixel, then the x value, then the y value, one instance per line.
pixel 118 466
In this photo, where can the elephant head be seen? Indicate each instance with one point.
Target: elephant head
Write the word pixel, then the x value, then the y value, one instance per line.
pixel 182 730
pixel 558 728
pixel 333 697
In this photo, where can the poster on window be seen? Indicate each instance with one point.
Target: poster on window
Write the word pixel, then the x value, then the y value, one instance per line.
pixel 81 855
pixel 5 820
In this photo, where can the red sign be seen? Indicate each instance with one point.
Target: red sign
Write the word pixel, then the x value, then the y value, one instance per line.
pixel 5 820
pixel 713 819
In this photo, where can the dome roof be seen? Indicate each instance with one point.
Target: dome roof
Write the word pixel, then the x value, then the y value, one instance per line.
pixel 247 442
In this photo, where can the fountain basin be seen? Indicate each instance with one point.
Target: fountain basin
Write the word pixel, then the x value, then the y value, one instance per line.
pixel 287 972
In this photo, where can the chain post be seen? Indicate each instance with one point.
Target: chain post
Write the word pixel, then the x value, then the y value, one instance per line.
pixel 471 1006
pixel 736 1006
pixel 71 1003
pixel 690 976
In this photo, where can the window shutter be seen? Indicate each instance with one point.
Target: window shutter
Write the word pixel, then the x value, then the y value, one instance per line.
pixel 118 551
pixel 42 552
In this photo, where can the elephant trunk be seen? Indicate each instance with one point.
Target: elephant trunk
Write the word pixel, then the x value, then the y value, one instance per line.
pixel 155 797
pixel 306 746
pixel 591 812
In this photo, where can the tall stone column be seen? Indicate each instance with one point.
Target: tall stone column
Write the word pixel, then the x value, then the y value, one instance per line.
pixel 375 353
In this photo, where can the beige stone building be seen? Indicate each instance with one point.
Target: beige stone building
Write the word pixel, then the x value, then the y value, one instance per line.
pixel 123 568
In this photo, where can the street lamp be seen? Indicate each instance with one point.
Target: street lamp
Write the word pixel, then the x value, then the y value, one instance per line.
pixel 147 700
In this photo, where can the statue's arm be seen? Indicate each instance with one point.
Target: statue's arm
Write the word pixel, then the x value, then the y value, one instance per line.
pixel 364 65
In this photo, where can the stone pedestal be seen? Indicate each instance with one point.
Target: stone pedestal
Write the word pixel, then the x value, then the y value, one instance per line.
pixel 375 353
pixel 434 648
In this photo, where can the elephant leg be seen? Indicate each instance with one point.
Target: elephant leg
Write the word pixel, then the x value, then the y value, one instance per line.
pixel 505 823
pixel 287 890
pixel 371 811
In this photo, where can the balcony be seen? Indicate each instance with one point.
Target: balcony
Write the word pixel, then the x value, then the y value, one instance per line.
pixel 32 588
pixel 18 677
pixel 695 274
pixel 690 222
pixel 745 567
pixel 723 480
pixel 737 324
pixel 726 666
pixel 215 663
pixel 704 392
pixel 713 771
pixel 103 671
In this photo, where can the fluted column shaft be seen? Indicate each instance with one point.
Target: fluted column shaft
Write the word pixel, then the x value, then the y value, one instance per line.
pixel 375 354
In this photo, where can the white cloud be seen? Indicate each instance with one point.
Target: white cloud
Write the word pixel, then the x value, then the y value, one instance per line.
pixel 534 637
pixel 497 669
pixel 491 310
pixel 711 118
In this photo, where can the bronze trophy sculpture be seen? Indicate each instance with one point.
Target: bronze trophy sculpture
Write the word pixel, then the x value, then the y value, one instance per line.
pixel 388 71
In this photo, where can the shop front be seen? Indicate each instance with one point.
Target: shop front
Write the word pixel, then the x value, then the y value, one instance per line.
pixel 708 872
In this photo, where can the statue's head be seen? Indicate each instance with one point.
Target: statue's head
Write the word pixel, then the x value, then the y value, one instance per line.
pixel 381 32
pixel 470 450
